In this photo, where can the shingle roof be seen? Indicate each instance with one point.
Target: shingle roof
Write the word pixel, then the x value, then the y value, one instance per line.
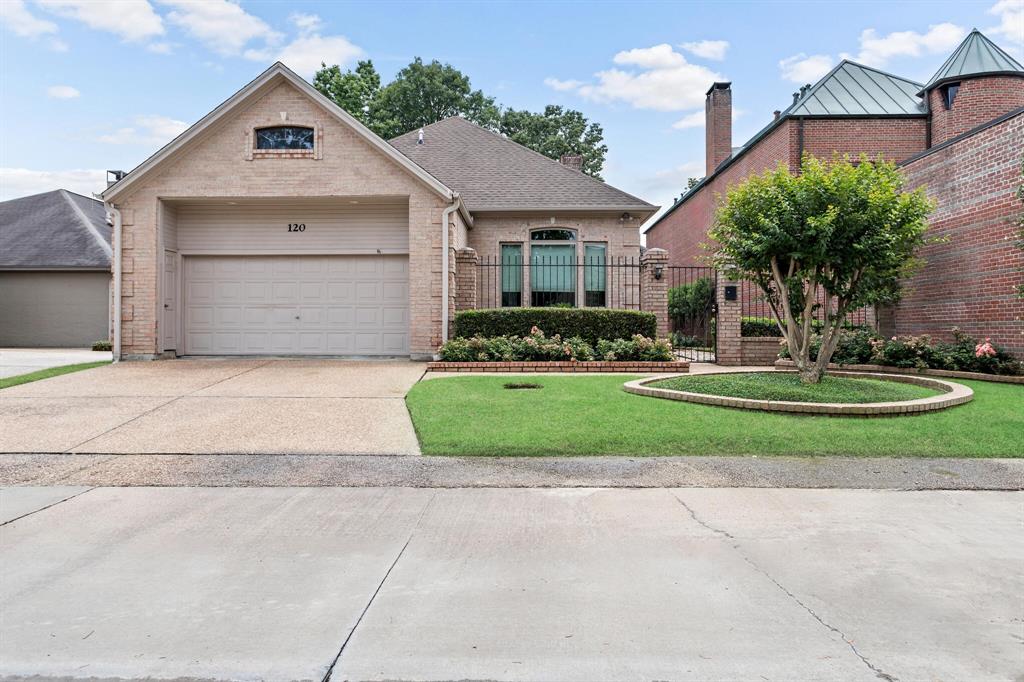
pixel 493 173
pixel 58 229
pixel 855 89
pixel 976 55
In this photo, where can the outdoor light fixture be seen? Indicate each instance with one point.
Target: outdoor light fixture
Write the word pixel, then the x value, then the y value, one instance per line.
pixel 625 216
pixel 659 270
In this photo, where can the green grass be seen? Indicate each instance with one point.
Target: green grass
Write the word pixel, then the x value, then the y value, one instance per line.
pixel 48 373
pixel 787 386
pixel 592 415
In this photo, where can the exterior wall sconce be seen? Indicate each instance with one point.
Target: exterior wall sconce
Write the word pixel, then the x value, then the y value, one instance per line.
pixel 659 270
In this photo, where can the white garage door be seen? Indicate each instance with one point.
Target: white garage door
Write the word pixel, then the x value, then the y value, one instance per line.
pixel 297 305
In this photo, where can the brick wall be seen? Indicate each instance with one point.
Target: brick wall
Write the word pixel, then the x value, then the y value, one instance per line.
pixel 466 262
pixel 718 126
pixel 968 282
pixel 892 138
pixel 219 164
pixel 978 101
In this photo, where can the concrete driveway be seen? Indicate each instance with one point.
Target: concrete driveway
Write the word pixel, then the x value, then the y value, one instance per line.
pixel 500 584
pixel 216 406
pixel 15 361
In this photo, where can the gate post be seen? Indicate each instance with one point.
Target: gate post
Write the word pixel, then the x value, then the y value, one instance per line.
pixel 654 287
pixel 728 326
pixel 466 267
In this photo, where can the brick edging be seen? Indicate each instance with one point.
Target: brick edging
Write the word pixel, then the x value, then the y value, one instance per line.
pixel 912 371
pixel 953 394
pixel 644 366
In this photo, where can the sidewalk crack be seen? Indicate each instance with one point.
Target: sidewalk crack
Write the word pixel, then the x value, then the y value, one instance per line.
pixel 54 504
pixel 881 674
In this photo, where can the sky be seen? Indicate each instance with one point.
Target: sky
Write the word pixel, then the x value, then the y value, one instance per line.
pixel 91 85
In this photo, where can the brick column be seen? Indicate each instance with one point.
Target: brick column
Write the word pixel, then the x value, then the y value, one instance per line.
pixel 654 287
pixel 466 262
pixel 727 324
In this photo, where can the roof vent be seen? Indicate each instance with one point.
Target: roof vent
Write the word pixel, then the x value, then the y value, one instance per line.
pixel 796 97
pixel 420 140
pixel 114 176
pixel 776 114
pixel 573 161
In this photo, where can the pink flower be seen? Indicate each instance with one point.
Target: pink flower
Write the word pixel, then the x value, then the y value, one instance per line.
pixel 984 349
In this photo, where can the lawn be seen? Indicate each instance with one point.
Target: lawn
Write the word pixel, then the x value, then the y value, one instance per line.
pixel 47 373
pixel 592 415
pixel 787 386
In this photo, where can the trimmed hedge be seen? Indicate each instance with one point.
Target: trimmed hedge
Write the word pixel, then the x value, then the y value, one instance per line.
pixel 589 324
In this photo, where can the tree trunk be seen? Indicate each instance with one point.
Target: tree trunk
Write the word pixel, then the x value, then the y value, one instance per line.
pixel 811 374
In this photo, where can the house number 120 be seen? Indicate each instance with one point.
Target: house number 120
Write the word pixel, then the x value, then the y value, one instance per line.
pixel 296 227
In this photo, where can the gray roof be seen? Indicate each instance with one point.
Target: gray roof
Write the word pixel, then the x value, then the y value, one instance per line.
pixel 58 229
pixel 492 173
pixel 976 55
pixel 855 89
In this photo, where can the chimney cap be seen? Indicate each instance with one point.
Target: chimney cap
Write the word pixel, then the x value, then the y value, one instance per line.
pixel 719 85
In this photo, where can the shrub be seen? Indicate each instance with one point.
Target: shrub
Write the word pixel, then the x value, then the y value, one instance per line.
pixel 680 340
pixel 589 324
pixel 759 326
pixel 537 346
pixel 689 303
pixel 102 345
pixel 636 348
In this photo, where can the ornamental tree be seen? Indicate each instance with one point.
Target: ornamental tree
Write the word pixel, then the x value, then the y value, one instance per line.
pixel 835 238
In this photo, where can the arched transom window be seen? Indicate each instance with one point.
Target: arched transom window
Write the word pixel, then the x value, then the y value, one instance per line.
pixel 285 137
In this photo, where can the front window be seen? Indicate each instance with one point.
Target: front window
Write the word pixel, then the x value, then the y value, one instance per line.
pixel 511 275
pixel 949 94
pixel 285 137
pixel 594 275
pixel 553 268
pixel 556 235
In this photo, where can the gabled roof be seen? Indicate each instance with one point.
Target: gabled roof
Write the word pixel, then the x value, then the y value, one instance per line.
pixel 492 173
pixel 277 73
pixel 852 89
pixel 58 229
pixel 976 55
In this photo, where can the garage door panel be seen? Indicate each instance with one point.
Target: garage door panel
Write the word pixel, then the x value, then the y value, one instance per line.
pixel 313 305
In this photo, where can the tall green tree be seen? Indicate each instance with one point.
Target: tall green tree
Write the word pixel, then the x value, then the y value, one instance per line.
pixel 555 132
pixel 848 229
pixel 354 91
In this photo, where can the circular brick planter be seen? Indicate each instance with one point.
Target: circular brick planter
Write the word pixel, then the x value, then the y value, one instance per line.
pixel 952 394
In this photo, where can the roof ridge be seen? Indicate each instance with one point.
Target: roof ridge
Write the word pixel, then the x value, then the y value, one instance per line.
pixel 86 223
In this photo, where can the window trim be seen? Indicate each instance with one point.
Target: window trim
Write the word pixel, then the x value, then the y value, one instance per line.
pixel 312 136
pixel 253 153
pixel 501 274
pixel 603 245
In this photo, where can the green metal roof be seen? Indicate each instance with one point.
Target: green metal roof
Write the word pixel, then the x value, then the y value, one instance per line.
pixel 852 89
pixel 976 55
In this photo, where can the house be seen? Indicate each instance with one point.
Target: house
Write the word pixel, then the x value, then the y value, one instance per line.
pixel 54 271
pixel 279 224
pixel 961 136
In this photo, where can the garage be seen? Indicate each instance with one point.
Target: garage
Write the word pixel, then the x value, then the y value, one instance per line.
pixel 297 305
pixel 51 309
pixel 323 276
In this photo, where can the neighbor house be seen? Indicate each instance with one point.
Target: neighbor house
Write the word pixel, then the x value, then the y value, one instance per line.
pixel 54 271
pixel 279 224
pixel 961 136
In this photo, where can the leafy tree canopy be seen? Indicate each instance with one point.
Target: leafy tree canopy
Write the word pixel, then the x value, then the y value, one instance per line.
pixel 823 243
pixel 424 93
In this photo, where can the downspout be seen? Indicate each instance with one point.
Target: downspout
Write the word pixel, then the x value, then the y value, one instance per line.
pixel 116 266
pixel 445 241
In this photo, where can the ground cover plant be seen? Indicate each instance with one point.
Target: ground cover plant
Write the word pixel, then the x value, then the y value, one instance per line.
pixel 47 373
pixel 592 415
pixel 788 386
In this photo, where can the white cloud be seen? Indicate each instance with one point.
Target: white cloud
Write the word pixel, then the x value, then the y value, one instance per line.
pixel 152 130
pixel 62 92
pixel 708 49
pixel 132 20
pixel 662 80
pixel 877 50
pixel 562 86
pixel 803 69
pixel 15 16
pixel 220 25
pixel 22 182
pixel 160 48
pixel 663 186
pixel 1011 24
pixel 696 119
pixel 304 54
pixel 306 23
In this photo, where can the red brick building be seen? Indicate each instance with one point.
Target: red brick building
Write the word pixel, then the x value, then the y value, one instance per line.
pixel 961 135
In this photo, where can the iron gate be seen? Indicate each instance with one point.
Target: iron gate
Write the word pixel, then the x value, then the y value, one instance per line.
pixel 691 310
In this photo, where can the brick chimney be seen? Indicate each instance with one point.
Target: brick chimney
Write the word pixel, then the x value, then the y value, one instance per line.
pixel 718 125
pixel 574 161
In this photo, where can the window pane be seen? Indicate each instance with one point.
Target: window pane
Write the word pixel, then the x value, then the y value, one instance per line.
pixel 553 235
pixel 511 275
pixel 553 274
pixel 594 274
pixel 284 137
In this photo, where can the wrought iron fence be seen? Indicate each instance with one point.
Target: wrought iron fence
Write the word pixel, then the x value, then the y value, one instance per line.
pixel 757 313
pixel 691 310
pixel 565 282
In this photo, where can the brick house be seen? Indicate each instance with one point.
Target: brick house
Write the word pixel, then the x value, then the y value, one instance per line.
pixel 279 224
pixel 961 135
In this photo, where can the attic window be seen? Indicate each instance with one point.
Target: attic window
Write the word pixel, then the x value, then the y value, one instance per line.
pixel 285 137
pixel 949 94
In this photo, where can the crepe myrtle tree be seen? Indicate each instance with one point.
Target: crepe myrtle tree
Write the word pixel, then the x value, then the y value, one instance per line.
pixel 838 236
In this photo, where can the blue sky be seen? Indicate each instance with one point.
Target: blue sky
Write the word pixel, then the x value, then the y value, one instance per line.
pixel 101 84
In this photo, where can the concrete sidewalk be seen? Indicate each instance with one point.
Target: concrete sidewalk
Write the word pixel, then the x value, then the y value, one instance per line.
pixel 583 584
pixel 15 361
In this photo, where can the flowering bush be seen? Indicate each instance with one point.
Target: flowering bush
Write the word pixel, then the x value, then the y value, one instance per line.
pixel 965 354
pixel 537 346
